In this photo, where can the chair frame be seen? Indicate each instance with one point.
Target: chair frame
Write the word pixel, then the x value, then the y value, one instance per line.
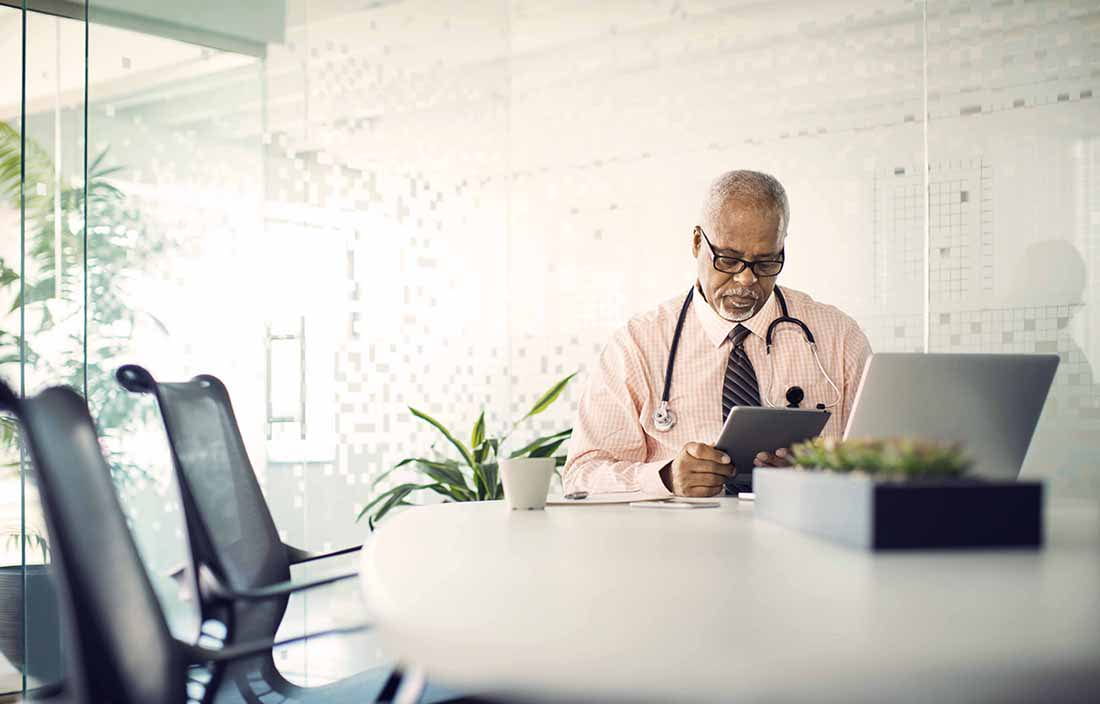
pixel 94 674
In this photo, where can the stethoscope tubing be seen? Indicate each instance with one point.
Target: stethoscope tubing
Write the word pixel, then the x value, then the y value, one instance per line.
pixel 664 418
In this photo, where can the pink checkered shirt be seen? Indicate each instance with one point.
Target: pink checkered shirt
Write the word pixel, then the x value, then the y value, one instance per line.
pixel 615 446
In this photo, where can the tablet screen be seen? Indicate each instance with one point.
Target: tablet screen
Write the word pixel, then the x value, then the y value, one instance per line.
pixel 750 430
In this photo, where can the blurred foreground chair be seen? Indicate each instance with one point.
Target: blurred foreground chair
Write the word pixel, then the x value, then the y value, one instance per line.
pixel 241 565
pixel 117 645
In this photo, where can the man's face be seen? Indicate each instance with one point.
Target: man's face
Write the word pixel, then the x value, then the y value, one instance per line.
pixel 748 233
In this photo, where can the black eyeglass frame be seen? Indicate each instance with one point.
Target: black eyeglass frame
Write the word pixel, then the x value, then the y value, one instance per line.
pixel 735 269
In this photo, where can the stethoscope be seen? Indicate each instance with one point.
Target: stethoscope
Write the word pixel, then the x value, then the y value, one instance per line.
pixel 664 418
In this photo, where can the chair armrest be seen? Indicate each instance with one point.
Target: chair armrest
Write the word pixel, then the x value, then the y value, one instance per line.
pixel 213 588
pixel 199 654
pixel 298 555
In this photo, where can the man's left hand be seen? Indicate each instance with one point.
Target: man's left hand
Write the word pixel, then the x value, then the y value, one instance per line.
pixel 779 458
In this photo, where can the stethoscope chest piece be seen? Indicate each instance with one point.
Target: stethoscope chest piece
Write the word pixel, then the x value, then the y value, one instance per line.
pixel 663 418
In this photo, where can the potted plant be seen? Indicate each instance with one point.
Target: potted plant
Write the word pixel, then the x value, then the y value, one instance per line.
pixel 897 493
pixel 44 328
pixel 475 474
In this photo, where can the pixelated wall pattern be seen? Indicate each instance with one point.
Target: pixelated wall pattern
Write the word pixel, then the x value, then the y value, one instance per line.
pixel 462 202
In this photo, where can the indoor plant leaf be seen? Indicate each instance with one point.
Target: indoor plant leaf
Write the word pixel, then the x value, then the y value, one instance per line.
pixel 549 397
pixel 398 498
pixel 477 437
pixel 387 498
pixel 547 450
pixel 539 442
pixel 391 470
pixel 479 479
pixel 462 449
pixel 492 479
pixel 443 471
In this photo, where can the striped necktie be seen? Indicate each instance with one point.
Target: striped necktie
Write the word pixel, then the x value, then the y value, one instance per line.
pixel 739 387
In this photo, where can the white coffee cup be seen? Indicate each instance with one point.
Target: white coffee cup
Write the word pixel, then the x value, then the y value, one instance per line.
pixel 526 481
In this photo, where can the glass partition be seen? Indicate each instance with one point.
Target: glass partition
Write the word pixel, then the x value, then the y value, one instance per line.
pixel 12 645
pixel 42 298
pixel 345 210
pixel 1014 189
pixel 620 117
pixel 174 191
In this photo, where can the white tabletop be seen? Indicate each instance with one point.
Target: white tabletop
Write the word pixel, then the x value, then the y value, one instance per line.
pixel 613 602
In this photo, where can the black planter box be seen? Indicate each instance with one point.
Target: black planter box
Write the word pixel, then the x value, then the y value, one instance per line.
pixel 885 515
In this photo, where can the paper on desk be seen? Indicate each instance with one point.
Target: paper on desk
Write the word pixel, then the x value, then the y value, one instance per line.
pixel 611 497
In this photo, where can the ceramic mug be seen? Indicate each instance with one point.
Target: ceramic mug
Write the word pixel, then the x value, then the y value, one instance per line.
pixel 526 481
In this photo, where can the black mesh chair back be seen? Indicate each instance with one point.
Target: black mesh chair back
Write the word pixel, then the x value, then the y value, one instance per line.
pixel 229 524
pixel 117 644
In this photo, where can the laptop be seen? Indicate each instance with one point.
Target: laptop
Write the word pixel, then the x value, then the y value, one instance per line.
pixel 987 403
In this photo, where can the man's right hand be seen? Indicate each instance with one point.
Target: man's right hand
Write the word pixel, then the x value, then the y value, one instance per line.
pixel 699 470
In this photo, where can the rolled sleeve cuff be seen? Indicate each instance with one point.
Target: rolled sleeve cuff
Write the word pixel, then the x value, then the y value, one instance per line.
pixel 648 476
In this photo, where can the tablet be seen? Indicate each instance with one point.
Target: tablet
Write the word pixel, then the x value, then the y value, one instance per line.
pixel 753 429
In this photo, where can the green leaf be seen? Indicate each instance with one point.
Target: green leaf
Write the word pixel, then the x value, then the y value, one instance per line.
pixel 549 397
pixel 41 291
pixel 388 498
pixel 391 470
pixel 446 471
pixel 448 492
pixel 380 498
pixel 479 478
pixel 547 450
pixel 492 479
pixel 8 275
pixel 448 476
pixel 478 435
pixel 539 442
pixel 447 434
pixel 385 474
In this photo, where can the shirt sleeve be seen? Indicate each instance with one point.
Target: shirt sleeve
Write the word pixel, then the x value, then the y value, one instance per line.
pixel 607 451
pixel 857 350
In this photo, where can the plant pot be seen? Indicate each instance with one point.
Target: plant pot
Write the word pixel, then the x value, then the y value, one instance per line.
pixel 38 656
pixel 884 514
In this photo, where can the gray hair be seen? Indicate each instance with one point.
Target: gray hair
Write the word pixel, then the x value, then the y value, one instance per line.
pixel 752 188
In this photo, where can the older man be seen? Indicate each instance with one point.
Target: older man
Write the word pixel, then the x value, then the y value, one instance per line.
pixel 625 439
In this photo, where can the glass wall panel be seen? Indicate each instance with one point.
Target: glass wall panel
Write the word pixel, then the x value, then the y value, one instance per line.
pixel 408 204
pixel 1014 169
pixel 41 301
pixel 175 181
pixel 622 114
pixel 518 179
pixel 11 486
pixel 386 150
pixel 480 195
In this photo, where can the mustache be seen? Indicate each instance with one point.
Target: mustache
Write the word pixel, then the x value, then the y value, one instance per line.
pixel 742 293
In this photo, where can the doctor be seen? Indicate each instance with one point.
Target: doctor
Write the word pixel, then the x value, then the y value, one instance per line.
pixel 645 422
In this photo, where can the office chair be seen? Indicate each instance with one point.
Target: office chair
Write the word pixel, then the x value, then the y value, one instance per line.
pixel 240 565
pixel 117 645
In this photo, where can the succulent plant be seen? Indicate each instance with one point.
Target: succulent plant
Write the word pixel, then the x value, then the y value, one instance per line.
pixel 895 458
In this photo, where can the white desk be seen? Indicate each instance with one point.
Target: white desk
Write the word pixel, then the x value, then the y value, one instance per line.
pixel 612 602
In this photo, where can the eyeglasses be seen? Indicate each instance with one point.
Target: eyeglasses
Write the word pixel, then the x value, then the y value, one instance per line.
pixel 735 265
